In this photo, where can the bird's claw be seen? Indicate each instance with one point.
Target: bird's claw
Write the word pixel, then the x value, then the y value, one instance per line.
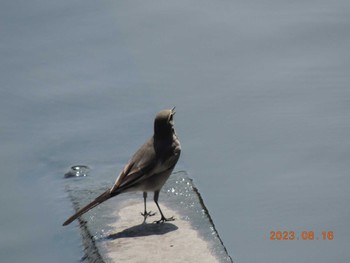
pixel 147 214
pixel 163 219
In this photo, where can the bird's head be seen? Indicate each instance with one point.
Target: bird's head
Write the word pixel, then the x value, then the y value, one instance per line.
pixel 164 123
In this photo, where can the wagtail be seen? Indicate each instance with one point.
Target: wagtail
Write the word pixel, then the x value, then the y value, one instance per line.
pixel 148 169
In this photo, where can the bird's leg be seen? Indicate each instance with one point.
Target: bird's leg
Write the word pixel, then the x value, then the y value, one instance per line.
pixel 163 218
pixel 146 214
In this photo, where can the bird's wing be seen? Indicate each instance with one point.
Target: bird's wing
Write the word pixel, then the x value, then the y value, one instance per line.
pixel 139 166
pixel 142 165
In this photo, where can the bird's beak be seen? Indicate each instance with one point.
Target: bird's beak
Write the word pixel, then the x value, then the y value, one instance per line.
pixel 173 111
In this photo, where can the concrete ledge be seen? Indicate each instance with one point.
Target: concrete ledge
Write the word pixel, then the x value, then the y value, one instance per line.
pixel 115 231
pixel 134 241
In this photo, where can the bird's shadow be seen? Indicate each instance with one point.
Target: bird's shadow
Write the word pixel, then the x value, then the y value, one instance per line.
pixel 141 230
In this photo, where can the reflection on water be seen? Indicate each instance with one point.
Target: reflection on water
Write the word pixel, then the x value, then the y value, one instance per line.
pixel 77 171
pixel 262 97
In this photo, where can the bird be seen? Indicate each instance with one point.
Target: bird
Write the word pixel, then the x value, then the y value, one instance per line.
pixel 148 169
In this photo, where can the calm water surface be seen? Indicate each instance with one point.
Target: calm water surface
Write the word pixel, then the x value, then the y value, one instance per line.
pixel 263 101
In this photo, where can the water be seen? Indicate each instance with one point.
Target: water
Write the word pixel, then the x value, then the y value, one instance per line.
pixel 262 96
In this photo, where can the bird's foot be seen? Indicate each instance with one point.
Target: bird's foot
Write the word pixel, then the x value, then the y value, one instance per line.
pixel 147 214
pixel 163 219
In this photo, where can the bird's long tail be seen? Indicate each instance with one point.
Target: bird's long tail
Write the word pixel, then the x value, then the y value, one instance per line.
pixel 98 200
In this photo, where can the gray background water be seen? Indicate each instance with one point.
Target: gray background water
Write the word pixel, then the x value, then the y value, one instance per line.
pixel 263 101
